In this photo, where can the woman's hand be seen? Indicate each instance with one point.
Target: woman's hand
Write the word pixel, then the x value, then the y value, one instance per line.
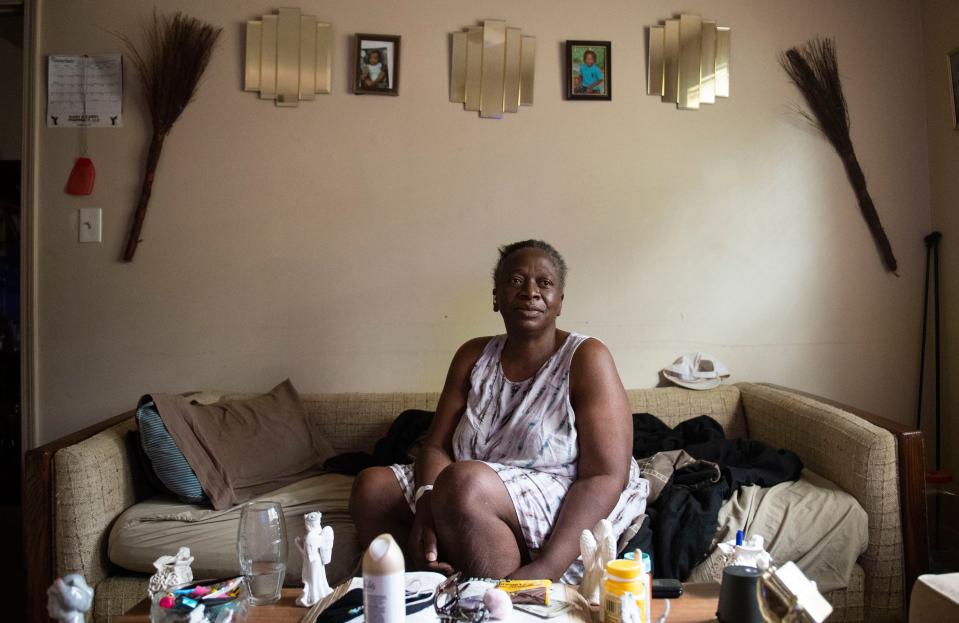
pixel 423 546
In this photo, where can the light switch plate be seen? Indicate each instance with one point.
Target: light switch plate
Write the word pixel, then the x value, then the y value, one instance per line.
pixel 90 227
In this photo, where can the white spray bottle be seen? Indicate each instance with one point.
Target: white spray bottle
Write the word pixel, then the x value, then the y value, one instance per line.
pixel 384 587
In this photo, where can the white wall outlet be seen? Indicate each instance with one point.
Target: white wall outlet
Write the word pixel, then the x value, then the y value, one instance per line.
pixel 90 228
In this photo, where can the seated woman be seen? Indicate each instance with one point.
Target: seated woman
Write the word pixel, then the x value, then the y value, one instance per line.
pixel 530 444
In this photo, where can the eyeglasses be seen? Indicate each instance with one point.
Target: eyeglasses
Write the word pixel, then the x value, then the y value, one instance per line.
pixel 452 607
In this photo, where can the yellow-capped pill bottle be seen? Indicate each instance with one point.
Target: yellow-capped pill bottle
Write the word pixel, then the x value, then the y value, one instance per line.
pixel 624 576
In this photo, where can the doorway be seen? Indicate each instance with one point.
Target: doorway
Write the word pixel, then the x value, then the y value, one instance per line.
pixel 11 148
pixel 11 412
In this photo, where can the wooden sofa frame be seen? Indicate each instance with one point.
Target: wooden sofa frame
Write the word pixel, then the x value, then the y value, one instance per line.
pixel 39 505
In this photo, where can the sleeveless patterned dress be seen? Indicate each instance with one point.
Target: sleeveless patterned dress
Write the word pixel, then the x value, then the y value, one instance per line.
pixel 526 432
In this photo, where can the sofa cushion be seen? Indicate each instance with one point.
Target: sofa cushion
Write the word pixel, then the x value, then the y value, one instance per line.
pixel 163 524
pixel 241 448
pixel 164 457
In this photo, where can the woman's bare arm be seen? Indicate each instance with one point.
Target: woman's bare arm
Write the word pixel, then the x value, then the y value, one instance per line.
pixel 604 430
pixel 437 450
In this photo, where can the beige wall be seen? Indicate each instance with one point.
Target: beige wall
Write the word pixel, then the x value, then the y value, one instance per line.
pixel 940 24
pixel 347 243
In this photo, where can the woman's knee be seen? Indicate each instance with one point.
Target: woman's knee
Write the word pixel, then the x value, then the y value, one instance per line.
pixel 463 487
pixel 373 491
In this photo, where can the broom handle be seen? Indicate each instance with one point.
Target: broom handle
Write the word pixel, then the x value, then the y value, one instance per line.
pixel 858 181
pixel 922 346
pixel 153 157
pixel 935 284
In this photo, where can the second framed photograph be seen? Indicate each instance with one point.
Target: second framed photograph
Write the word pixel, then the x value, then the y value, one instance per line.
pixel 589 67
pixel 377 68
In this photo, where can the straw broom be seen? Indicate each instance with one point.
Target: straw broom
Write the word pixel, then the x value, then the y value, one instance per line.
pixel 815 71
pixel 176 52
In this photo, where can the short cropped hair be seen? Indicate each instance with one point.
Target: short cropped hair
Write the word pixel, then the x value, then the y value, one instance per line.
pixel 554 256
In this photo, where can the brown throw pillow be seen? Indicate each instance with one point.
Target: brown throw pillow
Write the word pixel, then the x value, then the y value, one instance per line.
pixel 242 448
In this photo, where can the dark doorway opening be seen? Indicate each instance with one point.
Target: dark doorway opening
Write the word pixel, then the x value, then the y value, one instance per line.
pixel 11 149
pixel 11 451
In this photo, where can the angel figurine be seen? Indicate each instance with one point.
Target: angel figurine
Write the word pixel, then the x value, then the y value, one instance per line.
pixel 597 548
pixel 69 599
pixel 316 550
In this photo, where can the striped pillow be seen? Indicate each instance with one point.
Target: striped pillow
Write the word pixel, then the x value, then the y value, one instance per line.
pixel 168 462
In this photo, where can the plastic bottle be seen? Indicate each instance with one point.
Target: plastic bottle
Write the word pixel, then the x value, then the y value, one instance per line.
pixel 625 576
pixel 647 567
pixel 648 578
pixel 384 588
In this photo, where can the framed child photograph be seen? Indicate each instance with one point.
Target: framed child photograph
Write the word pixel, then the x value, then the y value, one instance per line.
pixel 589 67
pixel 377 67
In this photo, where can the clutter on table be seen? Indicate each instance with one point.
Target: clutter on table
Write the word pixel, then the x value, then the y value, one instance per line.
pixel 384 599
pixel 526 591
pixel 628 581
pixel 788 596
pixel 738 600
pixel 316 551
pixel 596 547
pixel 746 552
pixel 217 601
pixel 171 571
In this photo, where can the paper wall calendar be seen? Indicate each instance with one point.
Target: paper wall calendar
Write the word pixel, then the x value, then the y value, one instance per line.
pixel 85 91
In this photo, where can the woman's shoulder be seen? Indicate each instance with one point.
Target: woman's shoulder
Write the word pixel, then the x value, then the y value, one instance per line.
pixel 593 370
pixel 473 349
pixel 590 352
pixel 468 355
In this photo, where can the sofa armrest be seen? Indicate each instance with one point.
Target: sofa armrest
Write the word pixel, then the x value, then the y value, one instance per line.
pixel 74 488
pixel 876 465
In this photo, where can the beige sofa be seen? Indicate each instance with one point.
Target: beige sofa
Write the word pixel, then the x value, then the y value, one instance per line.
pixel 76 487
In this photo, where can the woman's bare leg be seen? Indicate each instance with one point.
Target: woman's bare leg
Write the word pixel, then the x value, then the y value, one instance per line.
pixel 378 505
pixel 476 524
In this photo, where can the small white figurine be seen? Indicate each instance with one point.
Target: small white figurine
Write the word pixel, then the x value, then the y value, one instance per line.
pixel 171 571
pixel 597 548
pixel 629 610
pixel 750 554
pixel 69 599
pixel 316 550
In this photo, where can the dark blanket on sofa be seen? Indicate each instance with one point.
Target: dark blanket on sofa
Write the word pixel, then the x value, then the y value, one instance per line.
pixel 397 446
pixel 682 520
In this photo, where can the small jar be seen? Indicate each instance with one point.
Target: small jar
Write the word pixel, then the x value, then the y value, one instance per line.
pixel 624 576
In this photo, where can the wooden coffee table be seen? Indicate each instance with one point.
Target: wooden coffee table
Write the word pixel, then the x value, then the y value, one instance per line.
pixel 697 605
